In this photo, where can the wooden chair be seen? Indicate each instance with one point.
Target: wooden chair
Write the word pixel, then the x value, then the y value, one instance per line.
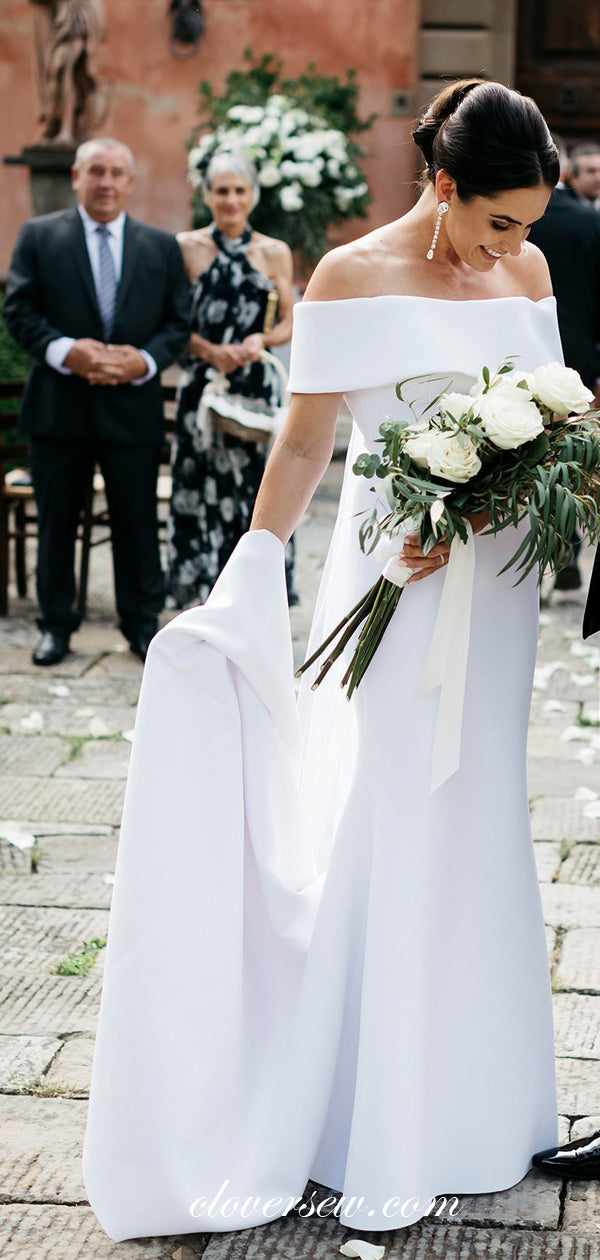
pixel 18 518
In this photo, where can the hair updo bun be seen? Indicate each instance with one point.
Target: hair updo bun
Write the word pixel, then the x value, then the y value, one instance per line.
pixel 488 137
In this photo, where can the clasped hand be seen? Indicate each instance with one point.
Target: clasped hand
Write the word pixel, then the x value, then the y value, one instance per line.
pixel 227 358
pixel 412 554
pixel 105 364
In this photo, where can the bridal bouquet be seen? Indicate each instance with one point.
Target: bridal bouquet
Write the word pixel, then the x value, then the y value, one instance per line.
pixel 520 446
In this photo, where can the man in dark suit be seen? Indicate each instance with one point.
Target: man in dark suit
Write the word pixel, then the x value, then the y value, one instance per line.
pixel 101 303
pixel 569 236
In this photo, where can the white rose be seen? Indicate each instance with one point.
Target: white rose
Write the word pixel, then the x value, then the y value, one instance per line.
pixel 456 405
pixel 309 174
pixel 306 147
pixel 508 416
pixel 246 113
pixel 269 175
pixel 343 197
pixel 276 104
pixel 289 169
pixel 452 456
pixel 559 388
pixel 418 446
pixel 290 197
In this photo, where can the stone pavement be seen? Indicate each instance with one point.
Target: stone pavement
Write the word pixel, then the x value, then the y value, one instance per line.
pixel 64 748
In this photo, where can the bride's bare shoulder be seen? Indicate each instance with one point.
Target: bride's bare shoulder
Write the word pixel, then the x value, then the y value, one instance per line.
pixel 347 272
pixel 532 274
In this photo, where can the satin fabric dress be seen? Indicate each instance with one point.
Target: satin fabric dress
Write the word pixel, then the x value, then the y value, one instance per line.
pixel 317 968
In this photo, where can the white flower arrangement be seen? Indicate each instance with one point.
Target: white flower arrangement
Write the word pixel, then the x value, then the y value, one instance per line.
pixel 293 152
pixel 521 447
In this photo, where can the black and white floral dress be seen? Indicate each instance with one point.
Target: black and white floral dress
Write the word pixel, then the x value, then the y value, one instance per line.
pixel 215 486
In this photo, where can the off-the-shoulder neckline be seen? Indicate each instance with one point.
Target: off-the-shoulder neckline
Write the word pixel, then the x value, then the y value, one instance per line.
pixel 417 297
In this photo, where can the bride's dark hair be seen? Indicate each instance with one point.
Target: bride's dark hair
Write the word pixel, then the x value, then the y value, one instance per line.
pixel 488 137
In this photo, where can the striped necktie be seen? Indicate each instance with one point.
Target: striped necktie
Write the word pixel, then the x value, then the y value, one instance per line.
pixel 107 281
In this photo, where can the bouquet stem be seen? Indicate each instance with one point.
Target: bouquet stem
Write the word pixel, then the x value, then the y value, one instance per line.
pixel 375 609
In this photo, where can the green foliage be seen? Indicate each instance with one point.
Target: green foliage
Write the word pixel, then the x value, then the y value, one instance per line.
pixel 14 362
pixel 320 94
pixel 77 964
pixel 548 481
pixel 330 103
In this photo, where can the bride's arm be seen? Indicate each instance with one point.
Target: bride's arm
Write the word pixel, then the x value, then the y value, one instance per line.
pixel 297 463
pixel 303 449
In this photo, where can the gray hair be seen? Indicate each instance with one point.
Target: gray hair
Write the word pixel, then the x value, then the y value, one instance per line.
pixel 90 147
pixel 234 162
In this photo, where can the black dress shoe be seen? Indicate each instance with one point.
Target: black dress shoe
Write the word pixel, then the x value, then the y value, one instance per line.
pixel 139 646
pixel 51 648
pixel 579 1159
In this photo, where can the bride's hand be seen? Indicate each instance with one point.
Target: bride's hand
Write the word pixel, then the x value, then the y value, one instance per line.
pixel 412 553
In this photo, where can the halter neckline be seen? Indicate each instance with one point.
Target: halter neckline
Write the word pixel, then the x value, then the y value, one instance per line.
pixel 231 245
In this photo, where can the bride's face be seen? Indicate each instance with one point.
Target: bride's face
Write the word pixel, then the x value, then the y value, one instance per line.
pixel 482 231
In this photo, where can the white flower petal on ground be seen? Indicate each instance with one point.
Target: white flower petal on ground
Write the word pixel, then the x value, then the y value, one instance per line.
pixel 560 388
pixel 109 879
pixel 586 756
pixel 585 794
pixel 576 733
pixel 84 713
pixel 128 735
pixel 554 706
pixel 590 655
pixel 544 673
pixel 33 722
pixel 98 728
pixel 16 833
pixel 58 689
pixel 362 1250
pixel 582 680
pixel 592 810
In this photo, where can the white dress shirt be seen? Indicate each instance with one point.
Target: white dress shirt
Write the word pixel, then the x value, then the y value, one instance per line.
pixel 57 350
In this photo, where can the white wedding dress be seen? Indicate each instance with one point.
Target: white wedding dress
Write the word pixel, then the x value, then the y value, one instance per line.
pixel 316 967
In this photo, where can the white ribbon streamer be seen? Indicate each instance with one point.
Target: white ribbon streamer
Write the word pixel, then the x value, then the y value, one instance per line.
pixel 446 664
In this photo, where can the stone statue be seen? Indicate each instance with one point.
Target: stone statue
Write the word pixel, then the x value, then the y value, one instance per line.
pixel 67 36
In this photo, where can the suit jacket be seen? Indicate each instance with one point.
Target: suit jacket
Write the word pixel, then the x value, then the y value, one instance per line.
pixel 569 236
pixel 50 293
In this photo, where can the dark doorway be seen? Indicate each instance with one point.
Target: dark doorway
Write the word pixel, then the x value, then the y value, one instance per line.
pixel 558 63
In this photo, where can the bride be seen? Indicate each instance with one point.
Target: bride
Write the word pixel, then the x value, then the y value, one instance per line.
pixel 318 967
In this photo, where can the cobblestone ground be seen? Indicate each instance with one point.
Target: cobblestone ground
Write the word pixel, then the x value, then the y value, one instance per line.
pixel 64 748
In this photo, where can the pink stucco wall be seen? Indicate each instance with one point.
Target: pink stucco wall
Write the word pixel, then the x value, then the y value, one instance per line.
pixel 153 95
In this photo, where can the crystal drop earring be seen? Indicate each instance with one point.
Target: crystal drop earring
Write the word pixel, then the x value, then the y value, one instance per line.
pixel 441 211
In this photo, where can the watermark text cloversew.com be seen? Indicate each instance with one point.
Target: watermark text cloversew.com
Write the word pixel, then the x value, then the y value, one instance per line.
pixel 333 1205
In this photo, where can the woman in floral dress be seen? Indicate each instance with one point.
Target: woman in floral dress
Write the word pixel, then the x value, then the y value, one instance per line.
pixel 232 270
